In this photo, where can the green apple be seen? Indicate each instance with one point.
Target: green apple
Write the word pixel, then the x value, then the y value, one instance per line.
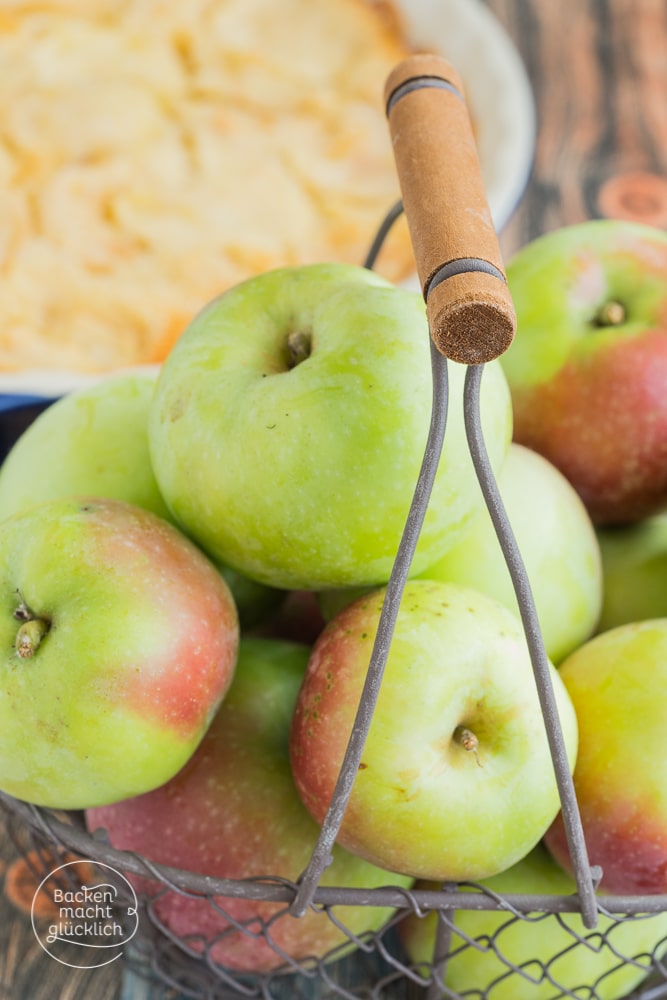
pixel 558 545
pixel 588 366
pixel 456 779
pixel 542 956
pixel 233 812
pixel 118 640
pixel 616 682
pixel 290 421
pixel 634 566
pixel 91 442
pixel 94 442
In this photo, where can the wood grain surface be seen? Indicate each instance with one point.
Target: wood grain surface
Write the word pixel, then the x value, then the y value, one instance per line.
pixel 599 73
pixel 26 972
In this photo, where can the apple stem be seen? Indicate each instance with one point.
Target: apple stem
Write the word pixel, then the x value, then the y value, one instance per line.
pixel 610 314
pixel 29 636
pixel 299 346
pixel 467 739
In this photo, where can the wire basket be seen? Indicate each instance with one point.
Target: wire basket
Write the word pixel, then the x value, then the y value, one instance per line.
pixel 377 965
pixel 583 926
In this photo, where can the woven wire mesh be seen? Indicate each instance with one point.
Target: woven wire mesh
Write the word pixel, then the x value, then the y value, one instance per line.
pixel 375 964
pixel 501 958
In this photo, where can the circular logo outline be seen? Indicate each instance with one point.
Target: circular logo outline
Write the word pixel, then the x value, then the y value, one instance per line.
pixel 131 911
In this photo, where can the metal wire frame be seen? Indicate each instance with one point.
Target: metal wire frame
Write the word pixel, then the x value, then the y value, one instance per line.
pixel 72 836
pixel 377 969
pixel 307 893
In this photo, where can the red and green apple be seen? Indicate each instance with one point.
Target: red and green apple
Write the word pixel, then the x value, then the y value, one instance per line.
pixel 94 442
pixel 456 779
pixel 233 812
pixel 616 682
pixel 588 366
pixel 119 641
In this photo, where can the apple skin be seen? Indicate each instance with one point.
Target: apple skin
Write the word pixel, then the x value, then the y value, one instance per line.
pixel 92 442
pixel 301 477
pixel 616 683
pixel 421 803
pixel 233 812
pixel 588 393
pixel 634 566
pixel 603 969
pixel 140 649
pixel 558 544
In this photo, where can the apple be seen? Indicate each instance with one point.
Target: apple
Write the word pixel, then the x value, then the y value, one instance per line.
pixel 119 640
pixel 255 602
pixel 298 618
pixel 558 545
pixel 290 421
pixel 331 602
pixel 537 957
pixel 616 682
pixel 233 812
pixel 92 442
pixel 588 367
pixel 634 566
pixel 456 779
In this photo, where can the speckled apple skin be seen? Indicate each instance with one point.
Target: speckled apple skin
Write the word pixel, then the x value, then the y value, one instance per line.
pixel 558 544
pixel 141 648
pixel 233 812
pixel 302 477
pixel 421 803
pixel 634 566
pixel 591 398
pixel 616 682
pixel 92 442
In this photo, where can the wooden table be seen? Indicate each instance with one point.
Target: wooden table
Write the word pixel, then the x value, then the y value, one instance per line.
pixel 599 73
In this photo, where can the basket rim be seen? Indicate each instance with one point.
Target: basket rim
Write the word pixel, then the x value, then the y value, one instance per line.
pixel 274 888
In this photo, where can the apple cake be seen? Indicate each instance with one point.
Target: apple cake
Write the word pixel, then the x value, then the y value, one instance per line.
pixel 154 152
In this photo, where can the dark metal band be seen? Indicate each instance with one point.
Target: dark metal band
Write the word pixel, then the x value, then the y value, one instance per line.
pixel 419 83
pixel 463 265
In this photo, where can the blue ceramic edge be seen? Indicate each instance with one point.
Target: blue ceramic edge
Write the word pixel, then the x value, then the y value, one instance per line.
pixel 18 401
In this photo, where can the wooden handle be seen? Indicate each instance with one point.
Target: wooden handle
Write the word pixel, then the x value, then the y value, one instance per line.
pixel 469 307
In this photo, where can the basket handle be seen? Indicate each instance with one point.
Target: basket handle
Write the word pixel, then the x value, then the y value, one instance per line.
pixel 470 311
pixel 472 320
